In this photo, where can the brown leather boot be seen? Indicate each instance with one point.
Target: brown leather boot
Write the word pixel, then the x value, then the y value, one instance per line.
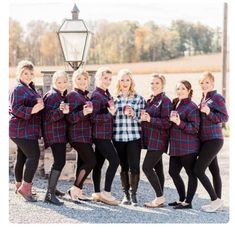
pixel 25 190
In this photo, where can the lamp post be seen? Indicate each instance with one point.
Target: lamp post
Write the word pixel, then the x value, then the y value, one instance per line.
pixel 74 38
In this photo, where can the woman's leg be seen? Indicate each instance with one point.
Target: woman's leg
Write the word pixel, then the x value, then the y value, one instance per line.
pixel 96 174
pixel 188 162
pixel 108 151
pixel 19 165
pixel 32 152
pixel 59 155
pixel 160 172
pixel 151 160
pixel 87 155
pixel 207 154
pixel 133 155
pixel 215 172
pixel 175 167
pixel 124 174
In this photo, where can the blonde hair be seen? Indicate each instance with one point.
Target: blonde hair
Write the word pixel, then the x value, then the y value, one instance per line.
pixel 57 75
pixel 22 65
pixel 99 73
pixel 160 77
pixel 80 72
pixel 121 73
pixel 206 75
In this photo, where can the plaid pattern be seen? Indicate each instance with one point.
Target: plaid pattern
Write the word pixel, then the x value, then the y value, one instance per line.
pixel 155 134
pixel 127 128
pixel 184 138
pixel 22 123
pixel 102 120
pixel 211 124
pixel 79 126
pixel 54 123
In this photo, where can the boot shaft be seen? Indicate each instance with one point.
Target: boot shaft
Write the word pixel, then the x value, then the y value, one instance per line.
pixel 125 182
pixel 134 182
pixel 53 179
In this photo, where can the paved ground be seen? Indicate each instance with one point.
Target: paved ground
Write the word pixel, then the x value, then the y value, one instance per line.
pixel 90 212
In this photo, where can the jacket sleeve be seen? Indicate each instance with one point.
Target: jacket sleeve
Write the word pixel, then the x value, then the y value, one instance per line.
pixel 163 122
pixel 97 117
pixel 191 126
pixel 18 108
pixel 218 112
pixel 51 111
pixel 75 115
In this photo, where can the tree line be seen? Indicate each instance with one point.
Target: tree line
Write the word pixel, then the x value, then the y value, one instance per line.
pixel 114 42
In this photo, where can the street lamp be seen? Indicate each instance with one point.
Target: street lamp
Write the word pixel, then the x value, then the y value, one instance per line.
pixel 74 38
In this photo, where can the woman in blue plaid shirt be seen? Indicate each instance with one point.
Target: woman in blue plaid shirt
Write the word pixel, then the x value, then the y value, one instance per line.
pixel 127 130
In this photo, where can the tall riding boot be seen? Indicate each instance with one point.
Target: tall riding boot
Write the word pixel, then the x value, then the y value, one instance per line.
pixel 52 182
pixel 125 187
pixel 134 181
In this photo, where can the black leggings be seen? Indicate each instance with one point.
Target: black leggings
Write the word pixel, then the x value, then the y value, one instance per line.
pixel 59 154
pixel 176 164
pixel 208 158
pixel 28 154
pixel 86 161
pixel 104 149
pixel 129 155
pixel 153 169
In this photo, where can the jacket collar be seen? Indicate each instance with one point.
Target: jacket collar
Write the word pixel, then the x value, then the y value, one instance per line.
pixel 210 94
pixel 103 92
pixel 59 93
pixel 84 93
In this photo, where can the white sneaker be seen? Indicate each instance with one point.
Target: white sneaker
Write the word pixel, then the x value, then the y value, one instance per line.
pixel 213 206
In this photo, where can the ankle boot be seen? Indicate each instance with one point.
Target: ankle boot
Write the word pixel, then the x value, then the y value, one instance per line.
pixel 52 182
pixel 125 188
pixel 134 181
pixel 25 190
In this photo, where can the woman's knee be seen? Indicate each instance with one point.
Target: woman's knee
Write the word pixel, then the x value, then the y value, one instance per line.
pixel 173 173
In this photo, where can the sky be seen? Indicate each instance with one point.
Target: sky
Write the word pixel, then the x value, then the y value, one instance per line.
pixel 209 12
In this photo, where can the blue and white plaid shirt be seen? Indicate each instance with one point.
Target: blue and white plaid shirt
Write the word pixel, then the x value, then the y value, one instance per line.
pixel 127 128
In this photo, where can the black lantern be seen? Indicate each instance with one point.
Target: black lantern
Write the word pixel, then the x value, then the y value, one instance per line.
pixel 74 38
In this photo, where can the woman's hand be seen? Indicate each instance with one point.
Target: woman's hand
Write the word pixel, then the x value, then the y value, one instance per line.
pixel 66 108
pixel 112 110
pixel 175 119
pixel 37 107
pixel 205 109
pixel 87 110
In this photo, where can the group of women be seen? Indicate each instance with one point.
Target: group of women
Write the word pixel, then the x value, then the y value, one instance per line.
pixel 119 127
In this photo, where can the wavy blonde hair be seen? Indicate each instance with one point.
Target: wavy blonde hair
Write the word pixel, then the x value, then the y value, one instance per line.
pixel 121 73
pixel 22 65
pixel 57 75
pixel 80 72
pixel 99 73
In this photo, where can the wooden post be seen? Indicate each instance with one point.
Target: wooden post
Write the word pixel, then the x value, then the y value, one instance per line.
pixel 224 51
